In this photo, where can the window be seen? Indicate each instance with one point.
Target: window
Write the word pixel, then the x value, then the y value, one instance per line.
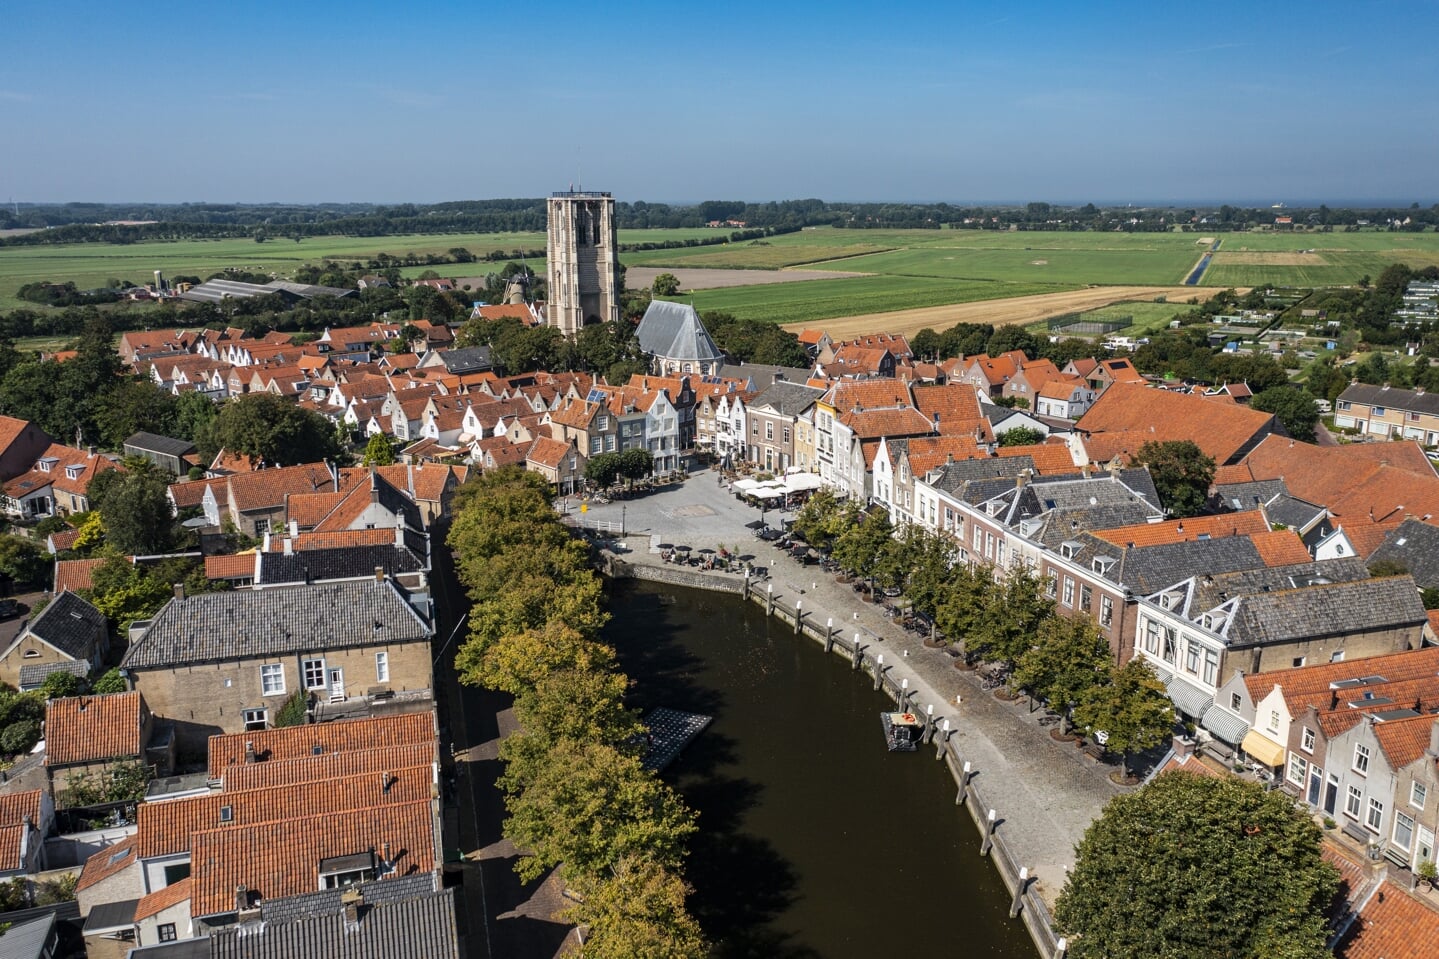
pixel 1068 598
pixel 1297 767
pixel 1403 831
pixel 1169 644
pixel 1086 596
pixel 1274 720
pixel 1351 803
pixel 1151 636
pixel 754 428
pixel 1306 740
pixel 1375 816
pixel 382 667
pixel 314 673
pixel 769 431
pixel 1337 656
pixel 1211 666
pixel 1106 610
pixel 1234 702
pixel 1297 662
pixel 610 443
pixel 261 527
pixel 272 679
pixel 1417 794
pixel 1379 411
pixel 786 434
pixel 1191 657
pixel 167 932
pixel 1361 759
pixel 256 719
pixel 596 445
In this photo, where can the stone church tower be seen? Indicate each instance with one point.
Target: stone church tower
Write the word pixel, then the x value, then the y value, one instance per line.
pixel 583 263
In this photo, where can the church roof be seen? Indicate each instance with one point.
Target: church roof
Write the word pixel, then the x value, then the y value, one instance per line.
pixel 674 331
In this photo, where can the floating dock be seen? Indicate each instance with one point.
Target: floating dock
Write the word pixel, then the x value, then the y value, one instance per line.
pixel 670 731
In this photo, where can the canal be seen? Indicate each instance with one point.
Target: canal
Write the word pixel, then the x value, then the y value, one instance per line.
pixel 814 841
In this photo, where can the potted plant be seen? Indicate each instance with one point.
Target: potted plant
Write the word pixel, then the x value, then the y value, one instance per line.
pixel 1427 873
pixel 1329 823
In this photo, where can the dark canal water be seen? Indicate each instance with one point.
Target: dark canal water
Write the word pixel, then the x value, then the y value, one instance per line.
pixel 814 840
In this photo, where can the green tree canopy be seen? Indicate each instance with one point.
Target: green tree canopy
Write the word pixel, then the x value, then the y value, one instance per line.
pixel 588 807
pixel 636 463
pixel 603 469
pixel 1020 436
pixel 379 451
pixel 1132 708
pixel 135 509
pixel 1068 659
pixel 637 910
pixel 665 284
pixel 1294 408
pixel 1181 473
pixel 22 560
pixel 272 430
pixel 1009 616
pixel 1198 867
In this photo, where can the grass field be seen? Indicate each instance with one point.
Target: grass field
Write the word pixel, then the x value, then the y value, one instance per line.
pixel 813 300
pixel 912 268
pixel 1149 317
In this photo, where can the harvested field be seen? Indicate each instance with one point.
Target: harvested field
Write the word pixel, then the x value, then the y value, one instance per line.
pixel 1271 259
pixel 702 279
pixel 1020 309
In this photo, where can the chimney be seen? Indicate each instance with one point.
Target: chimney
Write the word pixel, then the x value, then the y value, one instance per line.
pixel 1334 702
pixel 265 542
pixel 249 757
pixel 179 589
pixel 352 899
pixel 1183 746
pixel 1433 751
pixel 242 897
pixel 379 574
pixel 294 527
pixel 289 546
pixel 385 782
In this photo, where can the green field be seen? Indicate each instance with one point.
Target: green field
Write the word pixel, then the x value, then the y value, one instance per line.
pixel 911 268
pixel 808 301
pixel 1149 317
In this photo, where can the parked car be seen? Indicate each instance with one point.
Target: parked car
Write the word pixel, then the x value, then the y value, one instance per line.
pixel 8 608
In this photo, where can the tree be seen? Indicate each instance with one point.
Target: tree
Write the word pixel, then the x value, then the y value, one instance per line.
pixel 295 711
pixel 58 685
pixel 1020 436
pixel 860 547
pixel 1132 708
pixel 821 520
pixel 135 508
pixel 1069 657
pixel 516 662
pixel 125 592
pixel 22 561
pixel 636 463
pixel 666 284
pixel 379 451
pixel 638 910
pixel 112 681
pixel 603 469
pixel 272 430
pixel 1009 616
pixel 1199 867
pixel 1181 474
pixel 589 806
pixel 1293 406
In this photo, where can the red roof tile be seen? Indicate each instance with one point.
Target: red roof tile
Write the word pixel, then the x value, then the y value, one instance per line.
pixel 330 765
pixel 1133 415
pixel 344 735
pixel 1050 459
pixel 1280 547
pixel 1189 529
pixel 162 899
pixel 231 566
pixel 81 729
pixel 107 862
pixel 1394 925
pixel 1309 685
pixel 74 574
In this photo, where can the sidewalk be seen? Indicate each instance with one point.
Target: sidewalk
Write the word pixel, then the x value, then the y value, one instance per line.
pixel 1045 793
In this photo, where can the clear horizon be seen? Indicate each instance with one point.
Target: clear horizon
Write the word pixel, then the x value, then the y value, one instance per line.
pixel 1120 103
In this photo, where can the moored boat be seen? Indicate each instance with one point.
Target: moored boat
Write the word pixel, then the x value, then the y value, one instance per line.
pixel 902 731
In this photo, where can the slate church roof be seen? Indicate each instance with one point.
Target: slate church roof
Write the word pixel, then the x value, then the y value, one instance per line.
pixel 674 331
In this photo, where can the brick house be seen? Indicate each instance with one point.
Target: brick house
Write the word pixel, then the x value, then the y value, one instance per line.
pixel 1389 412
pixel 226 662
pixel 772 416
pixel 85 736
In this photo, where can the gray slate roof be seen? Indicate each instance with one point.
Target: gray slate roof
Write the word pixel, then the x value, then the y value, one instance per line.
pixel 418 927
pixel 1397 399
pixel 326 901
pixel 1293 512
pixel 244 624
pixel 786 399
pixel 155 443
pixel 1242 496
pixel 469 359
pixel 1415 546
pixel 33 675
pixel 1334 609
pixel 70 624
pixel 111 915
pixel 674 331
pixel 26 940
pixel 340 562
pixel 762 375
pixel 1148 569
pixel 1217 588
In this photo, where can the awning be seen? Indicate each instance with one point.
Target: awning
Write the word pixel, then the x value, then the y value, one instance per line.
pixel 1265 750
pixel 1190 699
pixel 1224 724
pixel 802 482
pixel 744 485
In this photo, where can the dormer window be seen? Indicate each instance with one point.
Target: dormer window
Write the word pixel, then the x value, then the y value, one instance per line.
pixel 46 462
pixel 73 472
pixel 1164 600
pixel 341 871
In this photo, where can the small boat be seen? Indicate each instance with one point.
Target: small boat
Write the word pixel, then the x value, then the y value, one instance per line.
pixel 902 731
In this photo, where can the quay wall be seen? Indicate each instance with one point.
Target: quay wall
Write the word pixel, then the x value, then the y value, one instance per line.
pixel 1027 903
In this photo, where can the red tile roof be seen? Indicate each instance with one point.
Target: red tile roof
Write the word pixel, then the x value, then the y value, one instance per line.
pixel 266 489
pixel 330 540
pixel 14 807
pixel 74 574
pixel 1280 547
pixel 344 735
pixel 165 828
pixel 1404 740
pixel 1126 416
pixel 1050 459
pixel 1309 685
pixel 231 566
pixel 330 765
pixel 1394 925
pixel 162 899
pixel 107 862
pixel 80 729
pixel 278 859
pixel 1189 529
pixel 1393 480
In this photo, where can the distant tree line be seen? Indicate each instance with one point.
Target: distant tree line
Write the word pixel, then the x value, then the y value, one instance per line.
pixel 97 222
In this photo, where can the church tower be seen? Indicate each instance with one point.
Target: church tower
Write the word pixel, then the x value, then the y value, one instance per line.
pixel 583 264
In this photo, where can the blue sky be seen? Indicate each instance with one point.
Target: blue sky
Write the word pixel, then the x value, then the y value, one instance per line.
pixel 961 101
